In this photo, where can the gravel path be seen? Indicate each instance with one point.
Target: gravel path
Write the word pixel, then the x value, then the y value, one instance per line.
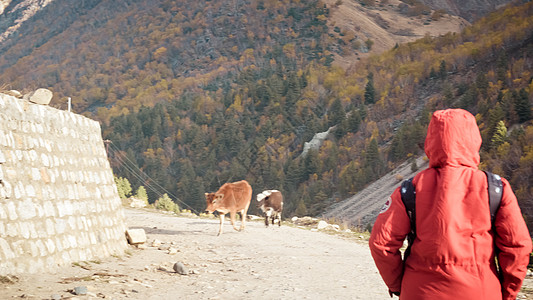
pixel 259 263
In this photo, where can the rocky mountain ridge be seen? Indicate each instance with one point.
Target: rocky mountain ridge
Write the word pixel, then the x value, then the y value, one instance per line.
pixel 385 23
pixel 14 13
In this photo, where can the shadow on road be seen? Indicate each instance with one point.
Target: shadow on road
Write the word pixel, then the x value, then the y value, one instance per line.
pixel 152 230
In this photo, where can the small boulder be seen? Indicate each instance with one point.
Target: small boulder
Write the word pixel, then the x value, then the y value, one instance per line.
pixel 14 93
pixel 80 290
pixel 142 246
pixel 40 96
pixel 180 268
pixel 136 236
pixel 322 225
pixel 163 247
pixel 156 243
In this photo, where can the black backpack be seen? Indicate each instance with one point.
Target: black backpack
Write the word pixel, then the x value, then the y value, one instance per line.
pixel 408 194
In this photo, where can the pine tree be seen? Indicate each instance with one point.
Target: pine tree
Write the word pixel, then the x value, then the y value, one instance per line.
pixel 442 69
pixel 496 115
pixel 369 89
pixel 301 209
pixel 469 98
pixel 500 135
pixel 186 180
pixel 336 113
pixel 432 73
pixel 294 174
pixel 197 194
pixel 347 185
pixel 482 84
pixel 501 68
pixel 354 120
pixel 522 106
pixel 340 130
pixel 293 91
pixel 397 150
pixel 447 94
pixel 373 159
pixel 263 94
pixel 332 157
pixel 312 163
pixel 417 138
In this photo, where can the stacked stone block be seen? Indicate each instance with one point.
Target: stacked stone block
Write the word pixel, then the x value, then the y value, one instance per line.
pixel 58 200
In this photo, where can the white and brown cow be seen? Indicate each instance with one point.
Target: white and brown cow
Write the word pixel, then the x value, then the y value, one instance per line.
pixel 230 198
pixel 271 203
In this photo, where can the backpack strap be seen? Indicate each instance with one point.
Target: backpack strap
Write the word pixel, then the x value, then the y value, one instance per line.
pixel 495 196
pixel 495 193
pixel 408 194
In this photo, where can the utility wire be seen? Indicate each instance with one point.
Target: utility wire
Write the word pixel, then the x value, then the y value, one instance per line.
pixel 139 176
pixel 142 176
pixel 144 180
pixel 149 185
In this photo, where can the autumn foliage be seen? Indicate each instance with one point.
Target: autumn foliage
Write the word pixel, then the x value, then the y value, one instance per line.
pixel 193 95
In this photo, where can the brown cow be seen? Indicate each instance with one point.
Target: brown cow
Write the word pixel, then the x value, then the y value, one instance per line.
pixel 231 197
pixel 271 203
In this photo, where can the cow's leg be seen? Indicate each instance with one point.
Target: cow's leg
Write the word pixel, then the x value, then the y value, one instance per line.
pixel 244 212
pixel 232 218
pixel 279 219
pixel 269 216
pixel 243 219
pixel 221 215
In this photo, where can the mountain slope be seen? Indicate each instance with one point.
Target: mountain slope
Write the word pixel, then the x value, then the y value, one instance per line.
pixel 385 25
pixel 206 41
pixel 361 209
pixel 225 90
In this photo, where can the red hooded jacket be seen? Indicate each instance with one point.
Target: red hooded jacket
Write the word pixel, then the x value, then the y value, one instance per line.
pixel 452 256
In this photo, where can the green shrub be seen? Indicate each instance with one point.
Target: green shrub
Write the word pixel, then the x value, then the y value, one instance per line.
pixel 165 203
pixel 123 187
pixel 141 194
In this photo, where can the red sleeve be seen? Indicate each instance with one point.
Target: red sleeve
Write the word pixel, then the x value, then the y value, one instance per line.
pixel 513 240
pixel 388 234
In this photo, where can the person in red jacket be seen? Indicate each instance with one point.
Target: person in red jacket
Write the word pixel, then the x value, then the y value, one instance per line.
pixel 452 256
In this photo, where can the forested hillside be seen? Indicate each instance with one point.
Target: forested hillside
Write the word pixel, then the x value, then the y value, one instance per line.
pixel 378 111
pixel 111 57
pixel 195 94
pixel 118 55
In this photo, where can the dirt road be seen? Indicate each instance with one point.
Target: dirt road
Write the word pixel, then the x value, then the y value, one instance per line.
pixel 259 263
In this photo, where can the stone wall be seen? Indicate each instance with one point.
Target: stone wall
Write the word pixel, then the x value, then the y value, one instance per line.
pixel 58 200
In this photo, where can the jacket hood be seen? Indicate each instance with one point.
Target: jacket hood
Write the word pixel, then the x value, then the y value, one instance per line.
pixel 453 139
